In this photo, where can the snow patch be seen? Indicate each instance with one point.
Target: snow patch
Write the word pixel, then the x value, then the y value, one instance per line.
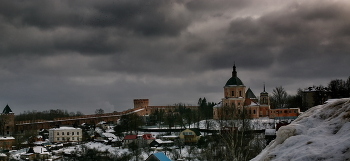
pixel 321 133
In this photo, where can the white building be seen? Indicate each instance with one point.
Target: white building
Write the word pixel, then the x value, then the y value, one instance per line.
pixel 65 134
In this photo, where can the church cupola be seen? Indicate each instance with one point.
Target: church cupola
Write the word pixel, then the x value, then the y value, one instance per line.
pixel 234 72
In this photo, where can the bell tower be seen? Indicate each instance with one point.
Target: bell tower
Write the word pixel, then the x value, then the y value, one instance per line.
pixel 264 97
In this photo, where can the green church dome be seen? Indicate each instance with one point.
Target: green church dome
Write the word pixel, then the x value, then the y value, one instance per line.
pixel 234 81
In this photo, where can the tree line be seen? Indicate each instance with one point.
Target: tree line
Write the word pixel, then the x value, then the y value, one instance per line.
pixel 45 115
pixel 336 88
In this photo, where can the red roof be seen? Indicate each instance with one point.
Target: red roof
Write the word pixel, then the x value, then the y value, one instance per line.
pixel 130 137
pixel 148 137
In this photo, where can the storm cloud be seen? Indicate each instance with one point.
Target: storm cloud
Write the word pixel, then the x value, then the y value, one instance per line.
pixel 85 55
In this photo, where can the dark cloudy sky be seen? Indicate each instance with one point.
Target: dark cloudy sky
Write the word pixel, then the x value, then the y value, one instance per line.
pixel 84 55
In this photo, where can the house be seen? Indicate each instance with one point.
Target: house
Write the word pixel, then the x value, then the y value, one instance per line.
pixel 190 135
pixel 129 139
pixel 159 143
pixel 36 153
pixel 148 138
pixel 6 143
pixel 65 134
pixel 158 157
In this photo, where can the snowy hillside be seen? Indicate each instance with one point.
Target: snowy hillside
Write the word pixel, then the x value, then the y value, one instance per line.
pixel 321 133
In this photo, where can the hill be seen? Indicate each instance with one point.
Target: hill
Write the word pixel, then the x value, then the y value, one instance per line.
pixel 321 133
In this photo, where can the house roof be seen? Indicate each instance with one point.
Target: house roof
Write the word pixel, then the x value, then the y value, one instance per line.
pixel 161 156
pixel 7 109
pixel 130 137
pixel 250 94
pixel 148 137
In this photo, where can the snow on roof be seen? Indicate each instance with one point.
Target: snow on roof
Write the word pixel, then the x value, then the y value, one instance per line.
pixel 64 128
pixel 253 104
pixel 163 142
pixel 218 105
pixel 39 149
pixel 321 133
pixel 6 138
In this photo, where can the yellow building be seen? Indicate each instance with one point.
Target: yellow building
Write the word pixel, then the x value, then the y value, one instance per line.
pixel 190 135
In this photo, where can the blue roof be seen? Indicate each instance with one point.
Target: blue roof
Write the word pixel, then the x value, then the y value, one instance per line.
pixel 161 156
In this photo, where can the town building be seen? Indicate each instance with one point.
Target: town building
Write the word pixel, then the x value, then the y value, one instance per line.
pixel 65 134
pixel 313 96
pixel 190 135
pixel 6 143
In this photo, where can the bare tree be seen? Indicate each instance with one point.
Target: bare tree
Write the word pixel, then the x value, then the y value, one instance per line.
pixel 99 111
pixel 279 97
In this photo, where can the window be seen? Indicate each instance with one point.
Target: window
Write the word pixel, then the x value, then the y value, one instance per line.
pixel 240 93
pixel 58 133
pixel 233 93
pixel 72 138
pixel 77 133
pixel 253 111
pixel 285 111
pixel 58 139
pixel 72 133
pixel 67 133
pixel 187 133
pixel 62 138
pixel 62 133
pixel 8 132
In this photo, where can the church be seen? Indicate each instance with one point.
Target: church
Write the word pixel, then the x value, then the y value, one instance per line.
pixel 238 99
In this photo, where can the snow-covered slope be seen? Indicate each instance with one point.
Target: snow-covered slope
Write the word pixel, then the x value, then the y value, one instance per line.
pixel 321 133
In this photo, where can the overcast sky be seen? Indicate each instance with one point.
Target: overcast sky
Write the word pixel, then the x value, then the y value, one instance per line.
pixel 85 55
